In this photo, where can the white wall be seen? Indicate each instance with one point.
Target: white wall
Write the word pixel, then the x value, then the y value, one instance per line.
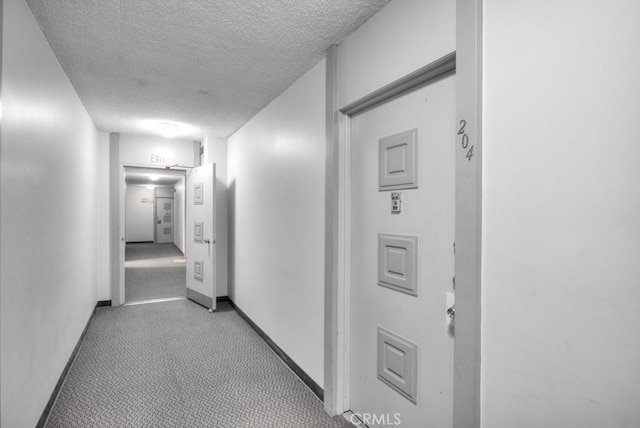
pixel 150 150
pixel 276 182
pixel 178 215
pixel 401 38
pixel 561 229
pixel 139 214
pixel 216 151
pixel 103 258
pixel 48 219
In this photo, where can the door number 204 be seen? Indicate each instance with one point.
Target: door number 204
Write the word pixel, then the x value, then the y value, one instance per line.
pixel 464 139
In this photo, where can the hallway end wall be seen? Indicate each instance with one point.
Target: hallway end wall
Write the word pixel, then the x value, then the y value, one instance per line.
pixel 48 219
pixel 561 196
pixel 140 214
pixel 276 201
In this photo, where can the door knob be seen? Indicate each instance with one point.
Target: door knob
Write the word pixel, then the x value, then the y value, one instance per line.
pixel 452 312
pixel 207 241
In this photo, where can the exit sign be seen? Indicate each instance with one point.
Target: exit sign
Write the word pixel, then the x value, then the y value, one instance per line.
pixel 157 159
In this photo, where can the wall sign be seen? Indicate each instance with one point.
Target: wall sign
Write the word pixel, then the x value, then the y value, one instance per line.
pixel 464 140
pixel 157 159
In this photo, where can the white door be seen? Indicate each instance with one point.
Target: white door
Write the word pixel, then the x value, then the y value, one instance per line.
pixel 200 236
pixel 164 220
pixel 402 263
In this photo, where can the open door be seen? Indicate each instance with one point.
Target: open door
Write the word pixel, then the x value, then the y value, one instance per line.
pixel 200 237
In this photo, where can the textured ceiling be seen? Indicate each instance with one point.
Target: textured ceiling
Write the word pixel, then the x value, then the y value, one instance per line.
pixel 208 64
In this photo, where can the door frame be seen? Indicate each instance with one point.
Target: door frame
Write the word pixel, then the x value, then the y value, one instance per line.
pixel 466 62
pixel 117 217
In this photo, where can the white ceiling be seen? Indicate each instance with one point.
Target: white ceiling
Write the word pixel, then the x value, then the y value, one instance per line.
pixel 208 64
pixel 158 177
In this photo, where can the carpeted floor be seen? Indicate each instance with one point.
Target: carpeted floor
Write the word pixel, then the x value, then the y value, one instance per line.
pixel 174 364
pixel 153 271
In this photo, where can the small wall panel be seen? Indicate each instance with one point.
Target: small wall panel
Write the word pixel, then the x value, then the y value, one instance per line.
pixel 398 363
pixel 398 163
pixel 398 263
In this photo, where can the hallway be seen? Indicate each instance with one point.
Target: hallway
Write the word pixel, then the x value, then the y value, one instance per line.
pixel 174 364
pixel 300 142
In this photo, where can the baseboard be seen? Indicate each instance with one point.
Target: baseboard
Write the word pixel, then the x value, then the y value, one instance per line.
pixel 311 384
pixel 54 395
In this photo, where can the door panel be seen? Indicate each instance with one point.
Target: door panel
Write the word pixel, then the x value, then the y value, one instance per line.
pixel 164 220
pixel 402 264
pixel 200 235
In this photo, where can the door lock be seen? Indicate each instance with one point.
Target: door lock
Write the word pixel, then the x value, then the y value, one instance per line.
pixel 451 308
pixel 396 203
pixel 451 312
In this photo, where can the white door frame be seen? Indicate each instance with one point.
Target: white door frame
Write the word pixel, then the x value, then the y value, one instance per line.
pixel 466 62
pixel 117 222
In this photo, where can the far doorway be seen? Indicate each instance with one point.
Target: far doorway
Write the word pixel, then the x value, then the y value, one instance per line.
pixel 154 265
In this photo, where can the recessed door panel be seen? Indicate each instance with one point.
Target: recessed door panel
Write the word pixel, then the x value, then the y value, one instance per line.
pixel 398 262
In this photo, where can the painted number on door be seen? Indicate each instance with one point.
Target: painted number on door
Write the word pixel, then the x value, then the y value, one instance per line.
pixel 464 139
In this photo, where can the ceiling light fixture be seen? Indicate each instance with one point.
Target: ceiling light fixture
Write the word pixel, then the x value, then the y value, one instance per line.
pixel 167 130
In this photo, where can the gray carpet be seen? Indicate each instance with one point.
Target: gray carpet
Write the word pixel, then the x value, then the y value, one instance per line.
pixel 173 364
pixel 153 271
pixel 148 250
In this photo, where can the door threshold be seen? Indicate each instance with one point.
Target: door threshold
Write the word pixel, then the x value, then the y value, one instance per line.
pixel 145 302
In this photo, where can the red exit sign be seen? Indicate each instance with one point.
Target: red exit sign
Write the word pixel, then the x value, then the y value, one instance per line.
pixel 157 159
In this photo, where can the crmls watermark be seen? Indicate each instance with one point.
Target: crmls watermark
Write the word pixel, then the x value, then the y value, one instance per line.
pixel 376 419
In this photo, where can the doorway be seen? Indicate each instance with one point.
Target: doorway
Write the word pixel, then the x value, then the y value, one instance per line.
pixel 154 260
